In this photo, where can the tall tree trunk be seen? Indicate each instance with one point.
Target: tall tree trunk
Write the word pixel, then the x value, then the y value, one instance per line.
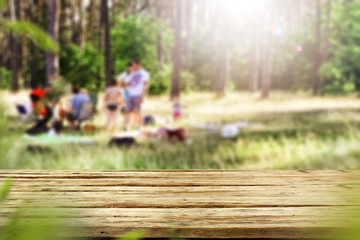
pixel 223 73
pixel 75 20
pixel 64 28
pixel 151 8
pixel 15 6
pixel 105 19
pixel 24 47
pixel 81 25
pixel 40 7
pixel 317 50
pixel 327 37
pixel 73 13
pixel 172 13
pixel 175 84
pixel 268 60
pixel 214 59
pixel 101 41
pixel 134 6
pixel 160 47
pixel 5 45
pixel 91 25
pixel 38 75
pixel 77 23
pixel 52 61
pixel 268 68
pixel 188 26
pixel 254 73
pixel 328 30
pixel 223 47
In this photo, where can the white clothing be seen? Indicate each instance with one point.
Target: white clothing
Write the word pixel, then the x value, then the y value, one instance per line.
pixel 123 76
pixel 136 82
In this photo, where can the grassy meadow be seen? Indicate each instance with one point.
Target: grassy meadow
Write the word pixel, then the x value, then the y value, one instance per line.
pixel 290 131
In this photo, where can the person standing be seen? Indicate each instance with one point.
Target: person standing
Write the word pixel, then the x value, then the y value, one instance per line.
pixel 113 100
pixel 137 86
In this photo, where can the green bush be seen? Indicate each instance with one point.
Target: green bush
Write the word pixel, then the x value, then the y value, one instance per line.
pixel 342 72
pixel 336 83
pixel 5 78
pixel 136 37
pixel 160 80
pixel 83 68
pixel 188 83
pixel 4 141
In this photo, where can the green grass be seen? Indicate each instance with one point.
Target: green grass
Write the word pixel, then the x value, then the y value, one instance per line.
pixel 296 132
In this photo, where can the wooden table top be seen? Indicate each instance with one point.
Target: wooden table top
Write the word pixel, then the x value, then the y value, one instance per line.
pixel 188 204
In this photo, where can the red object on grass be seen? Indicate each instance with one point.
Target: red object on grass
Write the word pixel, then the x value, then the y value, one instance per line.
pixel 38 92
pixel 178 134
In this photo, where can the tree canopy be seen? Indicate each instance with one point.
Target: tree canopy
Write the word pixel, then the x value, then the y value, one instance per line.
pixel 203 45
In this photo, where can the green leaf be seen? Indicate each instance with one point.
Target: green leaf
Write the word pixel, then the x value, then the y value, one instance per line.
pixel 5 189
pixel 135 235
pixel 2 4
pixel 38 36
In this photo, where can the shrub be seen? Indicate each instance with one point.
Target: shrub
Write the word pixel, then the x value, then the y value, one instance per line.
pixel 136 37
pixel 5 78
pixel 83 68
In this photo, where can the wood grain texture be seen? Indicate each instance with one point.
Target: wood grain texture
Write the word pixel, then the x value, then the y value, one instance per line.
pixel 188 204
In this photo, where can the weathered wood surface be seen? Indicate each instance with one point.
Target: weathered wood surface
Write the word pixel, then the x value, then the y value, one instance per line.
pixel 189 204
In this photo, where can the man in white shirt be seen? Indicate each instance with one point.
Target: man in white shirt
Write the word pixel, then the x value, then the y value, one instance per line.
pixel 137 86
pixel 124 75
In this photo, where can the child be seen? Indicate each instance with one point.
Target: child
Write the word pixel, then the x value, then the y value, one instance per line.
pixel 113 100
pixel 59 118
pixel 177 110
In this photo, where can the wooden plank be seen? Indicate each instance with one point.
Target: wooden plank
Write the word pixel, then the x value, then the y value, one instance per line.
pixel 191 189
pixel 189 204
pixel 170 182
pixel 179 174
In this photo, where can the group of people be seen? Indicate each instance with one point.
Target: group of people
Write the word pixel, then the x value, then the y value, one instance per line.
pixel 127 92
pixel 43 111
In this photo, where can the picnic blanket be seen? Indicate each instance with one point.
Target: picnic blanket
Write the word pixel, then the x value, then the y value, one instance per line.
pixel 229 130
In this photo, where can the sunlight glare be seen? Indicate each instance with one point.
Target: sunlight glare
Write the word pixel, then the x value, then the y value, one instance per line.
pixel 243 6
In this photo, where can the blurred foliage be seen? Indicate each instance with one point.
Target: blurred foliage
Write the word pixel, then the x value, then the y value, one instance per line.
pixel 4 141
pixel 187 82
pixel 342 72
pixel 3 4
pixel 139 36
pixel 135 37
pixel 42 225
pixel 59 88
pixel 5 190
pixel 135 235
pixel 33 33
pixel 83 68
pixel 39 40
pixel 5 78
pixel 160 80
pixel 39 228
